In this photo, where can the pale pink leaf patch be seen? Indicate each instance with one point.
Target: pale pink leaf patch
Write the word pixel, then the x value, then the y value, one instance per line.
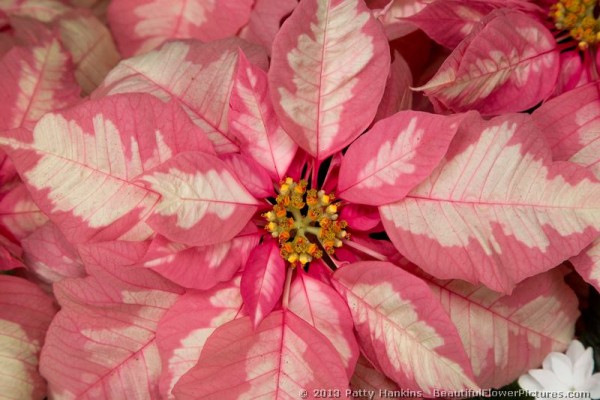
pixel 142 25
pixel 397 154
pixel 81 164
pixel 326 83
pixel 398 95
pixel 35 80
pixel 265 19
pixel 253 121
pixel 118 253
pixel 50 256
pixel 508 63
pixel 197 76
pixel 321 306
pixel 200 267
pixel 448 22
pixel 201 200
pixel 25 313
pixel 277 360
pixel 395 314
pixel 262 280
pixel 102 343
pixel 496 328
pixel 91 47
pixel 19 215
pixel 571 125
pixel 250 174
pixel 497 209
pixel 184 329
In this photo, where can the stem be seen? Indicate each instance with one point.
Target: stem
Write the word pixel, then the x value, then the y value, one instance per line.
pixel 368 251
pixel 286 288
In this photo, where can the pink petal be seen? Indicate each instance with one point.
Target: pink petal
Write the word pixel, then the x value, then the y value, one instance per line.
pixel 402 328
pixel 184 329
pixel 25 313
pixel 253 121
pixel 254 177
pixel 395 17
pixel 142 25
pixel 35 80
pixel 283 356
pixel 203 85
pixel 83 178
pixel 367 378
pixel 497 210
pixel 326 83
pixel 91 47
pixel 111 254
pixel 45 11
pixel 498 68
pixel 199 267
pixel 322 307
pixel 262 280
pixel 202 202
pixel 50 256
pixel 397 154
pixel 102 343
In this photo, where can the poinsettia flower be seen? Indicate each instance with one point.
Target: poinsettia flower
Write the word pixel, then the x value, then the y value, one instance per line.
pixel 532 35
pixel 572 372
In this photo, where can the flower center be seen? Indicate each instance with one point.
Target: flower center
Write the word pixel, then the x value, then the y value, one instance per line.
pixel 305 221
pixel 577 17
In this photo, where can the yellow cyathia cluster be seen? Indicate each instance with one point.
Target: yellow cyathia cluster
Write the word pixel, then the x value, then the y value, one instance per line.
pixel 300 215
pixel 577 17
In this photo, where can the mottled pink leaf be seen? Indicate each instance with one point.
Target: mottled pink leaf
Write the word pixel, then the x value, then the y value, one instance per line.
pixel 394 17
pixel 367 378
pixel 505 336
pixel 322 307
pixel 571 124
pixel 91 47
pixel 250 174
pixel 200 267
pixel 184 329
pixel 142 25
pixel 402 328
pixel 19 215
pixel 398 95
pixel 25 313
pixel 262 280
pixel 42 10
pixel 102 343
pixel 202 202
pixel 253 121
pixel 508 63
pixel 35 80
pixel 83 178
pixel 448 22
pixel 265 18
pixel 326 83
pixel 198 76
pixel 278 360
pixel 397 154
pixel 360 217
pixel 112 254
pixel 50 256
pixel 497 209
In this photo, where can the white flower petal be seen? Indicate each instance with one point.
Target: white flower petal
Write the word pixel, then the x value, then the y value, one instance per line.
pixel 575 350
pixel 583 368
pixel 592 385
pixel 528 383
pixel 549 380
pixel 561 366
